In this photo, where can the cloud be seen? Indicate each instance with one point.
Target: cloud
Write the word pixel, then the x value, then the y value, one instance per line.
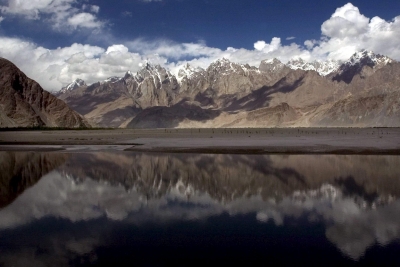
pixel 63 15
pixel 348 31
pixel 290 38
pixel 172 49
pixel 345 22
pixel 274 49
pixel 259 45
pixel 127 14
pixel 91 8
pixel 30 9
pixel 56 67
pixel 95 9
pixel 84 20
pixel 350 225
pixel 344 33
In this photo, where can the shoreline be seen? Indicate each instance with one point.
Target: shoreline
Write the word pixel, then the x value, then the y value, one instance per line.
pixel 268 150
pixel 385 141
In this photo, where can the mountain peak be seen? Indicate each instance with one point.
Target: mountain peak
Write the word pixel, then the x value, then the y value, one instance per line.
pixel 271 65
pixel 296 61
pixel 224 66
pixel 188 71
pixel 221 62
pixel 112 79
pixel 365 57
pixel 128 74
pixel 72 86
pixel 356 63
pixel 322 67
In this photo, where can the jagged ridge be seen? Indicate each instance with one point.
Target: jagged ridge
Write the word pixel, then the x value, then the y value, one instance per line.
pixel 310 89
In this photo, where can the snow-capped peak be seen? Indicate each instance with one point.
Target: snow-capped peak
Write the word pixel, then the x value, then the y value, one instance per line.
pixel 365 57
pixel 188 71
pixel 322 67
pixel 75 84
pixel 156 72
pixel 224 66
pixel 221 61
pixel 271 65
pixel 112 79
pixel 357 62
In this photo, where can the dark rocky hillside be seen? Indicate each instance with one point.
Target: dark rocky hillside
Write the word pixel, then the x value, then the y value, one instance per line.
pixel 24 103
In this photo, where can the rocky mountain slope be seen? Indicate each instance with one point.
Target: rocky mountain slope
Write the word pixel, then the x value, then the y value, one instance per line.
pixel 24 103
pixel 361 91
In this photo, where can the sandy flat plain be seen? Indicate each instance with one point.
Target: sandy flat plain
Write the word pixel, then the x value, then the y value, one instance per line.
pixel 258 141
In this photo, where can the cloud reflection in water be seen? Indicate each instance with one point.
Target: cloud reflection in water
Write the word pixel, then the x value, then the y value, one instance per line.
pixel 355 197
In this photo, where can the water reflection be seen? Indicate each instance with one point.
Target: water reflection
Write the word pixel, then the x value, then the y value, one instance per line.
pixel 19 171
pixel 355 198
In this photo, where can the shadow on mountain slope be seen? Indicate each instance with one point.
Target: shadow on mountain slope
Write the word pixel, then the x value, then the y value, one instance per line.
pixel 169 117
pixel 261 97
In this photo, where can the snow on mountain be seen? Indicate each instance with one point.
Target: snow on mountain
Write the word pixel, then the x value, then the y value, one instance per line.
pixel 188 72
pixel 158 73
pixel 356 63
pixel 112 79
pixel 128 74
pixel 322 67
pixel 365 58
pixel 271 65
pixel 216 70
pixel 225 67
pixel 75 84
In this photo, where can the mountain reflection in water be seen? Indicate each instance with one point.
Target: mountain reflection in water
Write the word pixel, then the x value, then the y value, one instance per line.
pixel 78 207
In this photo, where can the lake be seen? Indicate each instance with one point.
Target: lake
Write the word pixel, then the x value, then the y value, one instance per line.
pixel 118 208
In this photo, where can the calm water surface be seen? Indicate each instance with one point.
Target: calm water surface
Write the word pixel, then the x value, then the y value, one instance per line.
pixel 126 209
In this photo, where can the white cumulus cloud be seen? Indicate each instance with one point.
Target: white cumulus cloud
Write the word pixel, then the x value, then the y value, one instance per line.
pixel 63 15
pixel 345 22
pixel 84 20
pixel 53 68
pixel 348 31
pixel 344 33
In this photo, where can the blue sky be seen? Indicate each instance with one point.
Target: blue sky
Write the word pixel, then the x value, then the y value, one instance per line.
pixel 56 41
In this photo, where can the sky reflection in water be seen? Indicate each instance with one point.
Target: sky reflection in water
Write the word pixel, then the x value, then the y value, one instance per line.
pixel 107 207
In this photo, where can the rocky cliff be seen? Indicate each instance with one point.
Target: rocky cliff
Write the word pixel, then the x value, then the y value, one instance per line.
pixel 23 103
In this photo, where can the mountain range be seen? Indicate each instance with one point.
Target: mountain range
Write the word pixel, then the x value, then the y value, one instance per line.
pixel 360 92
